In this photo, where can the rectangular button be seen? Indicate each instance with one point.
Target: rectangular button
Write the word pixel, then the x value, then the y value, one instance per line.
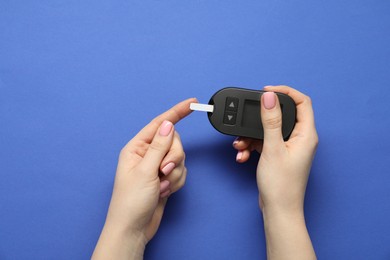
pixel 229 118
pixel 231 104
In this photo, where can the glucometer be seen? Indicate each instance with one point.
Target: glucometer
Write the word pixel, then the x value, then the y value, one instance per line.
pixel 236 111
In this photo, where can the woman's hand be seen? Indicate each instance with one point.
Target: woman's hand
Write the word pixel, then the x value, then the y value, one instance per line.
pixel 283 167
pixel 150 168
pixel 282 173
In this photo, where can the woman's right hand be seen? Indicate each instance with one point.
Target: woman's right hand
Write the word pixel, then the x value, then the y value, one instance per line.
pixel 283 167
pixel 282 173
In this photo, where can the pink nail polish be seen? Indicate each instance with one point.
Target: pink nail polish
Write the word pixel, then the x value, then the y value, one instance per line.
pixel 239 156
pixel 165 128
pixel 164 186
pixel 165 194
pixel 168 168
pixel 269 99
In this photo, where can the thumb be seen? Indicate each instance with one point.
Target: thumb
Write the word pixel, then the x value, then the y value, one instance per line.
pixel 159 147
pixel 271 118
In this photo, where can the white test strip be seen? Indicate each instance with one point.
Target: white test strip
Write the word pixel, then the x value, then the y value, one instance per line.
pixel 201 107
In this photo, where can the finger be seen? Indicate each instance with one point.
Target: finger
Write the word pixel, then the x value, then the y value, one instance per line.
pixel 244 147
pixel 136 148
pixel 271 117
pixel 305 114
pixel 177 179
pixel 174 157
pixel 174 115
pixel 181 181
pixel 164 186
pixel 242 143
pixel 243 156
pixel 165 194
pixel 158 148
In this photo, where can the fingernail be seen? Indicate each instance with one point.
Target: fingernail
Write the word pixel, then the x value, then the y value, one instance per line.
pixel 166 128
pixel 268 86
pixel 165 194
pixel 239 156
pixel 269 100
pixel 236 141
pixel 164 186
pixel 168 168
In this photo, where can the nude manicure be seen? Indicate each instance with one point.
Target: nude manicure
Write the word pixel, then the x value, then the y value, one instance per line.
pixel 164 186
pixel 165 194
pixel 236 141
pixel 165 128
pixel 269 100
pixel 239 156
pixel 168 168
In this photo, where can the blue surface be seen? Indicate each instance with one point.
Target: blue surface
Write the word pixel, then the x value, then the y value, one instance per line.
pixel 79 78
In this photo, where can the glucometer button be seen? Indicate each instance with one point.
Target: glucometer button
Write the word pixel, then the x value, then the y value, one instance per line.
pixel 229 118
pixel 231 104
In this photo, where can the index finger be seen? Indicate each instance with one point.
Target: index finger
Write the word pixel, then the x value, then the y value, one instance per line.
pixel 174 115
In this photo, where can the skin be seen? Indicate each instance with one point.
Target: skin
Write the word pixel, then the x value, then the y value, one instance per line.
pixel 282 175
pixel 140 190
pixel 151 167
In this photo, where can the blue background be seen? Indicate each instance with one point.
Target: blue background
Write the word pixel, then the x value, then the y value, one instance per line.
pixel 78 79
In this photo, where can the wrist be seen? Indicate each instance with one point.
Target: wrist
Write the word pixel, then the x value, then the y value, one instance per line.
pixel 283 218
pixel 117 243
pixel 279 206
pixel 275 210
pixel 286 233
pixel 270 212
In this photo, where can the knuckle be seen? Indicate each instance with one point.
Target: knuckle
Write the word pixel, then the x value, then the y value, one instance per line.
pixel 273 122
pixel 181 155
pixel 157 145
pixel 183 178
pixel 155 122
pixel 181 183
pixel 124 153
pixel 315 140
pixel 312 141
pixel 308 100
pixel 178 155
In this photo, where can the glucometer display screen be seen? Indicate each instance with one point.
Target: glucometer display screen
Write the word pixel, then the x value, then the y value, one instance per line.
pixel 251 114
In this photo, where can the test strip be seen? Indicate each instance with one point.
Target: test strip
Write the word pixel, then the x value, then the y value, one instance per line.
pixel 201 107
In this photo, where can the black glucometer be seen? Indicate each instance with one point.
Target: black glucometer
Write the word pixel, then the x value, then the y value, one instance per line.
pixel 236 111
